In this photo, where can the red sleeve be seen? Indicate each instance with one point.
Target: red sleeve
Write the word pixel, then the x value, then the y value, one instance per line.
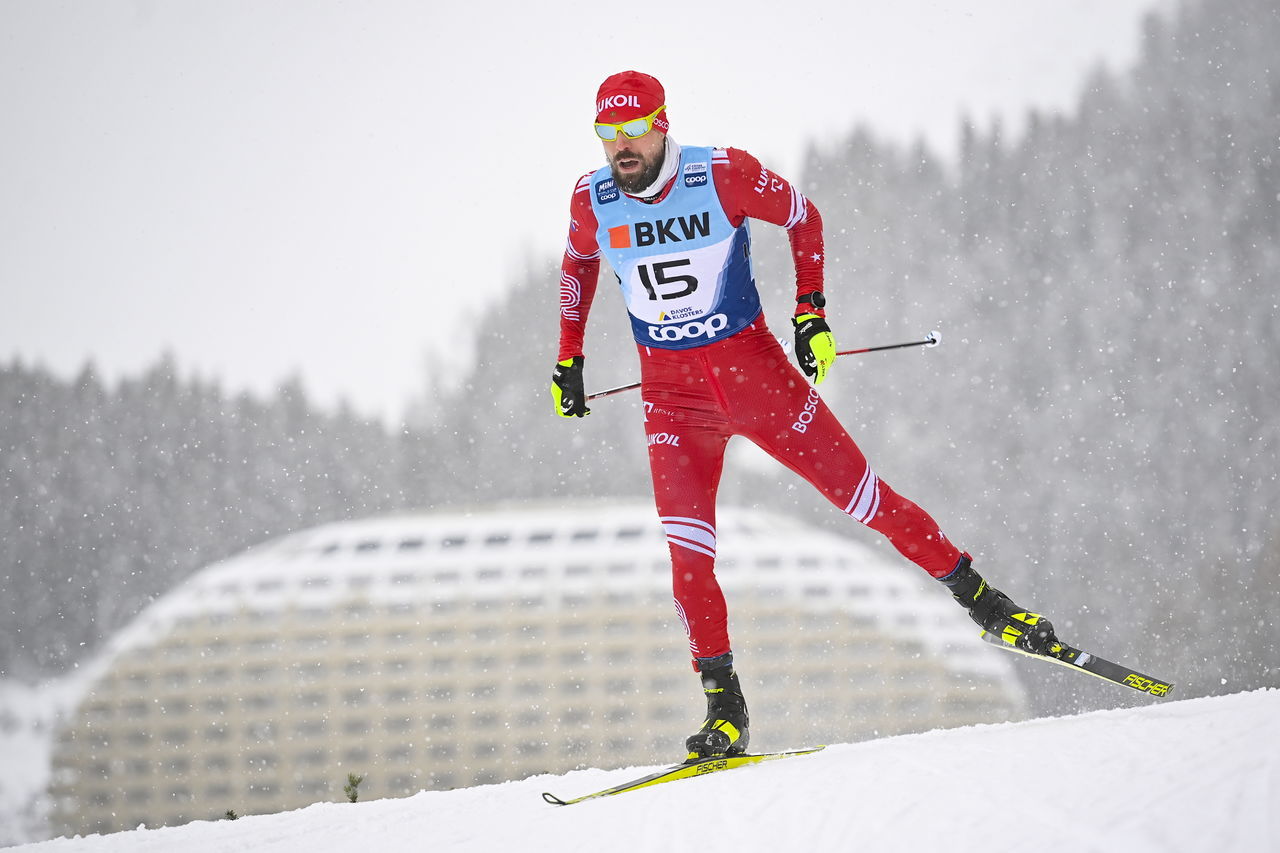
pixel 748 189
pixel 579 270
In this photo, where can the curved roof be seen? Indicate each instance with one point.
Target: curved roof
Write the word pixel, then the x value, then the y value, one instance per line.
pixel 552 555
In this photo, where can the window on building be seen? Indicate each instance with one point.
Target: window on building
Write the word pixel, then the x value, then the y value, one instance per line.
pixel 313 787
pixel 137 796
pixel 485 749
pixel 311 728
pixel 483 691
pixel 261 673
pixel 313 758
pixel 401 755
pixel 440 722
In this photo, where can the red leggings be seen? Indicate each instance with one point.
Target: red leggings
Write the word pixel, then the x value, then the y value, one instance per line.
pixel 746 385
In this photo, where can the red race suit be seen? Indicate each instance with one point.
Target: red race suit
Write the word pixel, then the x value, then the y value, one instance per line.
pixel 743 383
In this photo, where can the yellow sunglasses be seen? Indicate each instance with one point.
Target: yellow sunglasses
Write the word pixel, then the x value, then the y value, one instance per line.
pixel 633 129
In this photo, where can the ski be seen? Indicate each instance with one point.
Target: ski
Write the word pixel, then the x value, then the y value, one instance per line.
pixel 1073 658
pixel 700 767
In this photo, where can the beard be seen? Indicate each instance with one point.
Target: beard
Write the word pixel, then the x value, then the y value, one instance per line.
pixel 639 181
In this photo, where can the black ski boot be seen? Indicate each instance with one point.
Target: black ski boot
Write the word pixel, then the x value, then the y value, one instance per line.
pixel 997 615
pixel 725 730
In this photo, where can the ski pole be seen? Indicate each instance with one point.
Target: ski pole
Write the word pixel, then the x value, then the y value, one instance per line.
pixel 935 338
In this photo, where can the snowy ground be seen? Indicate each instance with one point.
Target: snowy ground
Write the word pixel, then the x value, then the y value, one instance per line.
pixel 1197 775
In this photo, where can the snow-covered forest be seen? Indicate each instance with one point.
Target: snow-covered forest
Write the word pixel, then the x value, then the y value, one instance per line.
pixel 1098 427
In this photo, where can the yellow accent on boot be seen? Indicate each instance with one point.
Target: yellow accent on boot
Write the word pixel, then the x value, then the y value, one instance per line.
pixel 724 726
pixel 728 728
pixel 1010 635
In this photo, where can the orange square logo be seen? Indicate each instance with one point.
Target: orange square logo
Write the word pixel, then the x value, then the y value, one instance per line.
pixel 620 237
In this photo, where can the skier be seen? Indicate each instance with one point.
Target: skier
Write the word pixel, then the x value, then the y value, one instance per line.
pixel 672 222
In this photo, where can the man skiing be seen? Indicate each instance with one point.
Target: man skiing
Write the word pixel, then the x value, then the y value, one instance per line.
pixel 672 223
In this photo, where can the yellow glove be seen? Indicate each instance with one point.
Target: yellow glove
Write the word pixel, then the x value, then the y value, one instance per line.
pixel 567 389
pixel 815 346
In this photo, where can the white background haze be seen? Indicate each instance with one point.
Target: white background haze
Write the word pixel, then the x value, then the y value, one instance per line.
pixel 335 189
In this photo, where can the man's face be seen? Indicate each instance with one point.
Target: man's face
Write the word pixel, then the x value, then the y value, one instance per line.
pixel 635 163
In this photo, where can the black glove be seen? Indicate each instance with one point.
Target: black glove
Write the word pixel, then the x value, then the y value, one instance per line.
pixel 815 346
pixel 567 389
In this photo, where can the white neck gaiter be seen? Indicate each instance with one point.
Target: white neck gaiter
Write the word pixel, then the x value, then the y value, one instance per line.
pixel 670 162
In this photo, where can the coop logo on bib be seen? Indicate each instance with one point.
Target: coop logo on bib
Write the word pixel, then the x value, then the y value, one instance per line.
pixel 695 174
pixel 606 191
pixel 708 328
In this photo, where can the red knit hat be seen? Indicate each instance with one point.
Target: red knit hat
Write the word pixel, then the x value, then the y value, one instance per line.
pixel 630 94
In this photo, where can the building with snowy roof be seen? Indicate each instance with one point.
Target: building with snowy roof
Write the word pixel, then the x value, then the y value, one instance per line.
pixel 441 650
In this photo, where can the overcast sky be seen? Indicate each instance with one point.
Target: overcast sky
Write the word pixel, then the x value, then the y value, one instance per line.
pixel 335 188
